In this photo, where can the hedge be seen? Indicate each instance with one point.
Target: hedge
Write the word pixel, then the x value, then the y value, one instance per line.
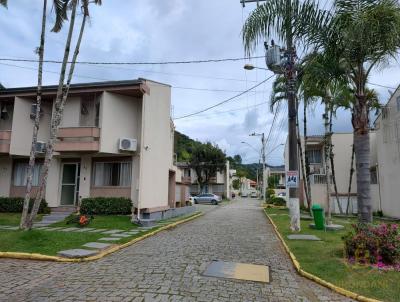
pixel 278 201
pixel 15 205
pixel 106 206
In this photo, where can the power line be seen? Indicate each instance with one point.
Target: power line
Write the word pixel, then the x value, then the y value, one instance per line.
pixel 225 101
pixel 136 63
pixel 103 79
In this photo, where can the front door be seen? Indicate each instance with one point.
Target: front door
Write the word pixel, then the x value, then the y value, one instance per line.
pixel 70 184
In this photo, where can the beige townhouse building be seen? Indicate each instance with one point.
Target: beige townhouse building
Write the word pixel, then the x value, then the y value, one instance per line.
pixel 388 153
pixel 220 184
pixel 116 139
pixel 342 150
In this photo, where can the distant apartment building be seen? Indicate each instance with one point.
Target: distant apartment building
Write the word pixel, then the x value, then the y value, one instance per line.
pixel 115 139
pixel 342 150
pixel 219 184
pixel 388 154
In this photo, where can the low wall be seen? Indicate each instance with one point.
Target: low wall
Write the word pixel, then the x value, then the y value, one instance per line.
pixel 170 213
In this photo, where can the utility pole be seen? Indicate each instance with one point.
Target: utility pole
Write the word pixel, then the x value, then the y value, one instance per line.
pixel 263 160
pixel 291 78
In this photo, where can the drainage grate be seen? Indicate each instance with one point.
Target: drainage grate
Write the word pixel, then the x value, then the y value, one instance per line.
pixel 239 271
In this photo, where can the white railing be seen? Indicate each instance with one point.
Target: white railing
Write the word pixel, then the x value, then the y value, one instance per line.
pixel 318 179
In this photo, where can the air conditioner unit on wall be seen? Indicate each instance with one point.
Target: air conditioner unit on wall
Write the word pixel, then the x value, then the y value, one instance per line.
pixel 40 147
pixel 127 144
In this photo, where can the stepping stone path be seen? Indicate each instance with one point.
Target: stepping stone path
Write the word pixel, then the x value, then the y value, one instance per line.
pixel 85 230
pixel 56 215
pixel 113 232
pixel 330 227
pixel 77 253
pixel 303 237
pixel 121 235
pixel 109 239
pixel 97 245
pixel 70 229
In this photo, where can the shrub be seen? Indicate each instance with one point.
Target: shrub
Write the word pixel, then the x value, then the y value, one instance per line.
pixel 270 193
pixel 16 204
pixel 106 206
pixel 278 201
pixel 374 244
pixel 80 220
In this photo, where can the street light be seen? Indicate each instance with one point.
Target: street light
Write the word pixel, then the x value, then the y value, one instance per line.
pixel 251 67
pixel 259 153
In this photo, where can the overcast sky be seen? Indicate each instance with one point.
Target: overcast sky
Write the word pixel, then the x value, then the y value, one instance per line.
pixel 160 30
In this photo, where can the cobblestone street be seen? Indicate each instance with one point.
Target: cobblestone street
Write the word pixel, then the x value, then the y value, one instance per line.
pixel 169 266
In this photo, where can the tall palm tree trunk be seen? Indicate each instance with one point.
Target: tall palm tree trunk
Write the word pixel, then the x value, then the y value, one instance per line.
pixel 327 162
pixel 331 157
pixel 307 162
pixel 54 122
pixel 301 157
pixel 360 121
pixel 350 179
pixel 32 157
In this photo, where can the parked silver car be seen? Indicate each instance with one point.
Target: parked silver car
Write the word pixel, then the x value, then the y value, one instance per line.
pixel 207 198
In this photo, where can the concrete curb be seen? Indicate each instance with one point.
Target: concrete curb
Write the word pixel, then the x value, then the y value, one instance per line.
pixel 314 278
pixel 34 256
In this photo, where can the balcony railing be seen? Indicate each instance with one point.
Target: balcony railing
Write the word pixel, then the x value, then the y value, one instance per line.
pixel 186 179
pixel 5 138
pixel 78 139
pixel 319 179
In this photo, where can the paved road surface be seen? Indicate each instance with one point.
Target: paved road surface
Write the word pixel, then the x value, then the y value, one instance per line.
pixel 168 266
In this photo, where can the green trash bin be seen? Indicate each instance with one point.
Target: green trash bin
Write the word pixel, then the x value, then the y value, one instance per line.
pixel 318 213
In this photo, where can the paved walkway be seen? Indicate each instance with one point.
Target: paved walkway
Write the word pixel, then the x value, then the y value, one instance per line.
pixel 168 267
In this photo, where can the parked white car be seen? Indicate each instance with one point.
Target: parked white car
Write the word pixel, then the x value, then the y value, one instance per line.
pixel 207 198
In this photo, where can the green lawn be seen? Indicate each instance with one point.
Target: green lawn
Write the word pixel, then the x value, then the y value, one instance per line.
pixel 51 242
pixel 325 259
pixel 120 222
pixel 13 218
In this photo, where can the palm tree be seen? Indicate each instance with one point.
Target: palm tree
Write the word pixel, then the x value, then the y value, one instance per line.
pixel 287 20
pixel 361 34
pixel 60 9
pixel 3 2
pixel 62 95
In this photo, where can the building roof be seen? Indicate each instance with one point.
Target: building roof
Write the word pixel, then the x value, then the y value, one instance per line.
pixel 129 87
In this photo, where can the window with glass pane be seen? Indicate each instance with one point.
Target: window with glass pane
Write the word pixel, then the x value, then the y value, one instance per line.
pixel 21 174
pixel 314 156
pixel 117 174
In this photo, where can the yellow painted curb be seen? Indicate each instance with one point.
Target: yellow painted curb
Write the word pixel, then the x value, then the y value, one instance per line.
pixel 272 206
pixel 34 256
pixel 314 278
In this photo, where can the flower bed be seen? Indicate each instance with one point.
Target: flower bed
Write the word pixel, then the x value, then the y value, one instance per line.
pixel 376 245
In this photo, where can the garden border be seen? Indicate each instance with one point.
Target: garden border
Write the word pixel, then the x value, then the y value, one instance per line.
pixel 296 264
pixel 41 257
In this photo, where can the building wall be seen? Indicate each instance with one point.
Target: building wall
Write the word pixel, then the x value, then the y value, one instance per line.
pixel 119 117
pixel 388 153
pixel 342 149
pixel 5 175
pixel 156 149
pixel 22 125
pixel 53 189
pixel 72 112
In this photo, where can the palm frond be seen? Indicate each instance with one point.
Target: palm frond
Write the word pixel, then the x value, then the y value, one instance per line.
pixel 3 2
pixel 60 10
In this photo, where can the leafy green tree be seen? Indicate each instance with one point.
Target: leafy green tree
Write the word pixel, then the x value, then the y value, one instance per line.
pixel 236 184
pixel 273 181
pixel 206 160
